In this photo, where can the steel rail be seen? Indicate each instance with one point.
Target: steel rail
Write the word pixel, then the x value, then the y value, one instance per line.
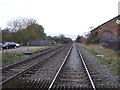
pixel 29 68
pixel 20 62
pixel 56 75
pixel 90 78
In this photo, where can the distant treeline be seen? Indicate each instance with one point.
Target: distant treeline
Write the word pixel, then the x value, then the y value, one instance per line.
pixel 88 39
pixel 23 30
pixel 59 39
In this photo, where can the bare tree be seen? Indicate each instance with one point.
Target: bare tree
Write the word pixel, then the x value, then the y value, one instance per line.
pixel 61 36
pixel 20 23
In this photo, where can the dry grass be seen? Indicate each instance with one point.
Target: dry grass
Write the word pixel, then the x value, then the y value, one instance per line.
pixel 110 57
pixel 107 53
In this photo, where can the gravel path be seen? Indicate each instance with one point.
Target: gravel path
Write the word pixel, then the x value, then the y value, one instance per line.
pixel 103 73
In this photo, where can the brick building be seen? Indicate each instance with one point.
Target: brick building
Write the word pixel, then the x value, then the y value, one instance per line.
pixel 109 33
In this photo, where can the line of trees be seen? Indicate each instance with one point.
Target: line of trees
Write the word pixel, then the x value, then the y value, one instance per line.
pixel 22 30
pixel 60 39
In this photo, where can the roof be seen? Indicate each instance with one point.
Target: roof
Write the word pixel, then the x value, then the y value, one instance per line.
pixel 106 22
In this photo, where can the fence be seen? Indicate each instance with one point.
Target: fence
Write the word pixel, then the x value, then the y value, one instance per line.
pixel 41 42
pixel 111 42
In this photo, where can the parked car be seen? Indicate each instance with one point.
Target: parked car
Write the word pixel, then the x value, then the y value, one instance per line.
pixel 8 45
pixel 17 45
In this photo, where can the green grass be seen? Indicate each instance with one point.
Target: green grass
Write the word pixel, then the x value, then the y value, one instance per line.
pixel 110 58
pixel 10 57
pixel 92 51
pixel 35 50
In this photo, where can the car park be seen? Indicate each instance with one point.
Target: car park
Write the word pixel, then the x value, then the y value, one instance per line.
pixel 8 45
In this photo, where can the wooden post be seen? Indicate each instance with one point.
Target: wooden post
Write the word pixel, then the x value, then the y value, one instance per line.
pixel 27 45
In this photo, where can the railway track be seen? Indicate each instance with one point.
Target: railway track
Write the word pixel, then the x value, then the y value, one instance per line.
pixel 26 60
pixel 17 69
pixel 73 72
pixel 70 75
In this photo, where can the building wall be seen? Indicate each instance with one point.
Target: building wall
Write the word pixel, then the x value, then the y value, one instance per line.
pixel 109 33
pixel 109 29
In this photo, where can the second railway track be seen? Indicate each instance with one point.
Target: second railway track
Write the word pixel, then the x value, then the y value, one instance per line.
pixel 29 59
pixel 17 69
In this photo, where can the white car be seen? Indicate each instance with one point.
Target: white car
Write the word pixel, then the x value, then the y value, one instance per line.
pixel 17 45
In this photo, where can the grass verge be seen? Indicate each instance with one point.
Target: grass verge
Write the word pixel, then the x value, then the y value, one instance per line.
pixel 107 57
pixel 10 57
pixel 35 50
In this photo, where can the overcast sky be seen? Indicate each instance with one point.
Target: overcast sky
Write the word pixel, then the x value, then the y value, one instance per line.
pixel 69 17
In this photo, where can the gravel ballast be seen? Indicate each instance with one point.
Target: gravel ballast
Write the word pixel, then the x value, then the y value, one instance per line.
pixel 49 68
pixel 73 73
pixel 104 73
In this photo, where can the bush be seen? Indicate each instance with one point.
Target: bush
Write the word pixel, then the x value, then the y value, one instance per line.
pixel 93 38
